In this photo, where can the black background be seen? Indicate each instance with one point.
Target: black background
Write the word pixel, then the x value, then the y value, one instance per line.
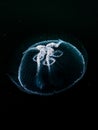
pixel 22 20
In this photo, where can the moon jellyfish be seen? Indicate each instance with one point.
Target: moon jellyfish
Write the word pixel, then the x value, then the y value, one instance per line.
pixel 49 67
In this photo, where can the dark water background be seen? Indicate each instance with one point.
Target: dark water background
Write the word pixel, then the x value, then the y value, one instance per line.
pixel 21 20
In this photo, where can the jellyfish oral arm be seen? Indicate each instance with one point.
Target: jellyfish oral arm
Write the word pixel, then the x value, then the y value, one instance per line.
pixel 47 52
pixel 45 57
pixel 56 45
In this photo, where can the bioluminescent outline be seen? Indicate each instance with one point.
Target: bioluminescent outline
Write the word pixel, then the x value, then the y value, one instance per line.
pixel 43 56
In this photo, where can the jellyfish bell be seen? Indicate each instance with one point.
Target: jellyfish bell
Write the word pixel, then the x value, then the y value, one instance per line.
pixel 49 67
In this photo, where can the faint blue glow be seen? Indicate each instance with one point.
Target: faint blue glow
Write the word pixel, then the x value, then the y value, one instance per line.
pixel 51 57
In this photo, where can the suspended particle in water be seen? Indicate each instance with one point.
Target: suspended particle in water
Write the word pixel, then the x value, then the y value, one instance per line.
pixel 49 67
